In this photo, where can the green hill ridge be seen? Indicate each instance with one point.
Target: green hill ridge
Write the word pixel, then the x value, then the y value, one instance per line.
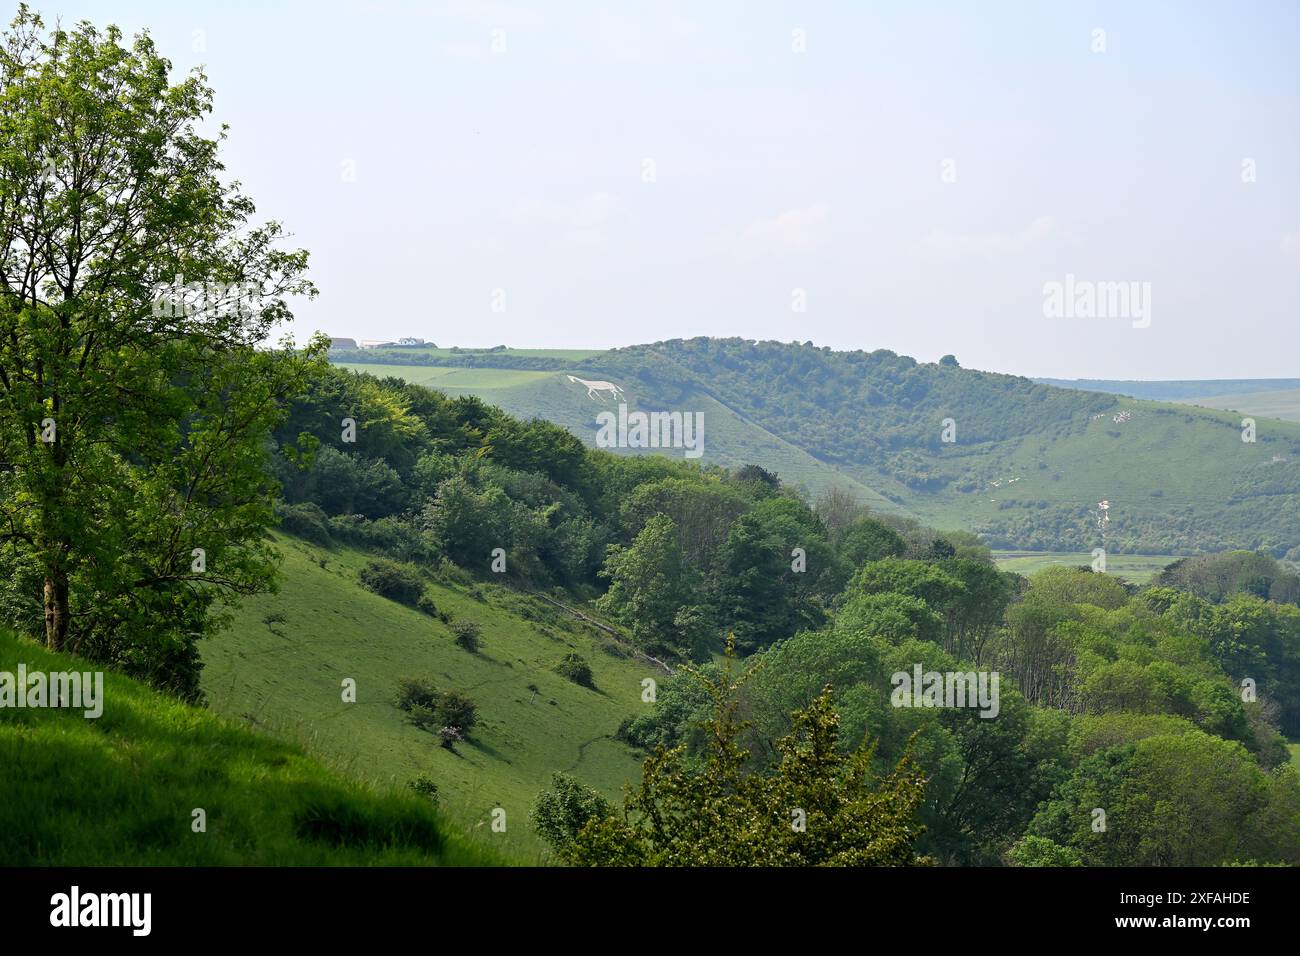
pixel 1029 465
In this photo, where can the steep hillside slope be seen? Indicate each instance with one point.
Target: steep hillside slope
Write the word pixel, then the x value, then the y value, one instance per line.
pixel 730 439
pixel 1030 462
pixel 122 789
pixel 1027 468
pixel 284 673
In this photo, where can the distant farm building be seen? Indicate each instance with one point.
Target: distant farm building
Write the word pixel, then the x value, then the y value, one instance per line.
pixel 341 343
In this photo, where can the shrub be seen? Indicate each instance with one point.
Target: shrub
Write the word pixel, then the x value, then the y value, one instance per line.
pixel 560 813
pixel 413 692
pixel 468 635
pixel 306 521
pixel 425 786
pixel 431 709
pixel 394 581
pixel 391 536
pixel 422 717
pixel 455 709
pixel 576 669
pixel 426 605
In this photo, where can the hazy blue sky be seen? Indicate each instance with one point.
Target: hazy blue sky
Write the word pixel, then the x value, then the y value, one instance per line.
pixel 775 170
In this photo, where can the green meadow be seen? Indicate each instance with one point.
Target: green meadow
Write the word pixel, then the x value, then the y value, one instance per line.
pixel 122 790
pixel 285 676
pixel 1137 568
pixel 453 379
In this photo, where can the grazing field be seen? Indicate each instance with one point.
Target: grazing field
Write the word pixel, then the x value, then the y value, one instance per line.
pixel 121 789
pixel 1138 568
pixel 455 380
pixel 285 676
pixel 1283 404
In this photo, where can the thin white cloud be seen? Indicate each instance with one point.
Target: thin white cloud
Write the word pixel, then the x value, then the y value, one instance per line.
pixel 946 243
pixel 795 230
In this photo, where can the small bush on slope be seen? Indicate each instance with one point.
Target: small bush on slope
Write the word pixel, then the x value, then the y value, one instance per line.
pixel 394 581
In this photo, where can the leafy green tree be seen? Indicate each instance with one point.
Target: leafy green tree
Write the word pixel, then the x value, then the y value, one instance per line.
pixel 468 522
pixel 791 674
pixel 560 813
pixel 924 580
pixel 819 807
pixel 1040 851
pixel 696 631
pixel 758 593
pixel 1186 800
pixel 975 612
pixel 467 635
pixel 647 585
pixel 1067 586
pixel 702 513
pixel 867 540
pixel 340 483
pixel 1216 576
pixel 133 411
pixel 892 616
pixel 455 709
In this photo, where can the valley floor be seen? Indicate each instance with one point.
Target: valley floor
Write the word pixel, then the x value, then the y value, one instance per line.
pixel 1136 568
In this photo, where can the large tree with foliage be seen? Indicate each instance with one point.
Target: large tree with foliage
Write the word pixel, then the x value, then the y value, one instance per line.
pixel 647 584
pixel 818 807
pixel 135 401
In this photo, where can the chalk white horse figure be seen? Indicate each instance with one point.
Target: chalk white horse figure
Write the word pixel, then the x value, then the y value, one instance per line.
pixel 594 387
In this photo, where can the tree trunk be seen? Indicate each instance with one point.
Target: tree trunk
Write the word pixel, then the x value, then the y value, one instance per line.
pixel 56 609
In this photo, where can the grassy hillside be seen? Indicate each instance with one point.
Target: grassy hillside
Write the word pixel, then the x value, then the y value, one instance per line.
pixel 121 790
pixel 730 439
pixel 1029 465
pixel 1179 480
pixel 1030 462
pixel 285 676
pixel 1137 568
